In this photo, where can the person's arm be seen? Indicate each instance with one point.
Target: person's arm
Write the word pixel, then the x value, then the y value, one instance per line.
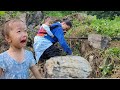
pixel 2 65
pixel 60 36
pixel 33 66
pixel 47 28
pixel 36 72
pixel 1 72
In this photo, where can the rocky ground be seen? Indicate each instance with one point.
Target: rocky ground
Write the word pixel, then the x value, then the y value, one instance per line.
pixel 89 54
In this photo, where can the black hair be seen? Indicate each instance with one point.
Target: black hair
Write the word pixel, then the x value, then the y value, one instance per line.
pixel 68 22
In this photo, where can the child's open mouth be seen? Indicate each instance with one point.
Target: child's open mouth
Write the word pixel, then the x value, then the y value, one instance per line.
pixel 23 41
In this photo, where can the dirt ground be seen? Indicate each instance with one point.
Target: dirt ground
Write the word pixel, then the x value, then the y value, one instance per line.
pixel 95 63
pixel 115 44
pixel 97 60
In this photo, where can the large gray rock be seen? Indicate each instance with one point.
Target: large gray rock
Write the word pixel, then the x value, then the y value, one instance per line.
pixel 67 67
pixel 34 18
pixel 98 41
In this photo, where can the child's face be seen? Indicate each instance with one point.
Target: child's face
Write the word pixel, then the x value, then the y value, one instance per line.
pixel 18 35
pixel 49 22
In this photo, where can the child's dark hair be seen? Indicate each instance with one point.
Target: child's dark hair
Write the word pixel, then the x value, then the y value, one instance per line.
pixel 68 22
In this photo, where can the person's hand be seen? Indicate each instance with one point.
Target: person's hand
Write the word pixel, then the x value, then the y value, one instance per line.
pixel 70 54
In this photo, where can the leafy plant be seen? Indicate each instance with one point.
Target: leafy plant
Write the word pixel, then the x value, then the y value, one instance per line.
pixel 106 69
pixel 115 51
pixel 58 13
pixel 109 56
pixel 107 27
pixel 104 14
pixel 2 13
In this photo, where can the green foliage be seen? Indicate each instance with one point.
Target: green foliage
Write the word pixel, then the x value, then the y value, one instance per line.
pixel 6 15
pixel 76 48
pixel 53 13
pixel 104 14
pixel 58 14
pixel 2 13
pixel 15 13
pixel 109 56
pixel 115 51
pixel 10 13
pixel 107 66
pixel 81 27
pixel 107 27
pixel 90 24
pixel 106 69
